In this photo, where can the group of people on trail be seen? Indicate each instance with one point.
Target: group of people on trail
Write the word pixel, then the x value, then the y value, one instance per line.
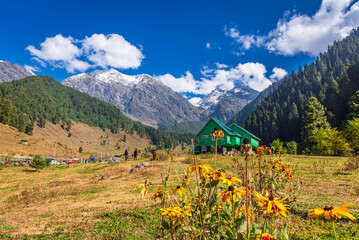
pixel 135 154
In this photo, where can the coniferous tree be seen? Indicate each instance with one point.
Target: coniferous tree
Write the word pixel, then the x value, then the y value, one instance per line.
pixel 313 119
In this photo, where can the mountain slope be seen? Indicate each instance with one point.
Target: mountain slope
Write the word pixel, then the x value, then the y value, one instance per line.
pixel 279 114
pixel 141 97
pixel 10 72
pixel 43 99
pixel 240 116
pixel 233 101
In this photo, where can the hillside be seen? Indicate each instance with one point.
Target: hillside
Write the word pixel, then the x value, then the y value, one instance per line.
pixel 43 99
pixel 328 79
pixel 233 101
pixel 53 140
pixel 240 116
pixel 184 127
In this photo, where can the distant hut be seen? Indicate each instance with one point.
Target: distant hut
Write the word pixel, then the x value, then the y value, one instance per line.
pixel 24 141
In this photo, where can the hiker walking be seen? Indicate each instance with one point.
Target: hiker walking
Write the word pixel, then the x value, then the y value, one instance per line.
pixel 135 154
pixel 126 155
pixel 154 155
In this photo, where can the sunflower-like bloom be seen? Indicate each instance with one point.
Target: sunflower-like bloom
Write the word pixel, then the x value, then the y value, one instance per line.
pixel 201 169
pixel 232 193
pixel 215 175
pixel 180 190
pixel 270 204
pixel 144 187
pixel 176 214
pixel 159 194
pixel 230 180
pixel 330 212
pixel 243 209
pixel 264 236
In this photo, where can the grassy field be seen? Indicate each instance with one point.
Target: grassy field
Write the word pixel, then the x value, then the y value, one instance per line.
pixel 100 201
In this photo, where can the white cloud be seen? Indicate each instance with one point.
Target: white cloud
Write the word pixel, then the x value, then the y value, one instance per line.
pixel 98 50
pixel 195 101
pixel 206 71
pixel 246 40
pixel 221 65
pixel 249 74
pixel 185 83
pixel 31 68
pixel 302 33
pixel 278 74
pixel 112 50
pixel 208 45
pixel 60 52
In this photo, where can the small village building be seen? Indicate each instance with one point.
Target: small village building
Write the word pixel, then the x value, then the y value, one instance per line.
pixel 231 141
pixel 24 141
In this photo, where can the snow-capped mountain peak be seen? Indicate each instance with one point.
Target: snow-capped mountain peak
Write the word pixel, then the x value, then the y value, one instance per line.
pixel 213 98
pixel 114 75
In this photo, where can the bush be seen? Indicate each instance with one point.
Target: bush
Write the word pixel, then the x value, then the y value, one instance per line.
pixel 277 146
pixel 38 162
pixel 291 147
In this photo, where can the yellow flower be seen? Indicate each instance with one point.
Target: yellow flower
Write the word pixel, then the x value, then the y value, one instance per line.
pixel 271 204
pixel 217 134
pixel 264 236
pixel 144 187
pixel 215 175
pixel 159 194
pixel 232 193
pixel 243 209
pixel 176 214
pixel 180 190
pixel 330 212
pixel 200 169
pixel 230 180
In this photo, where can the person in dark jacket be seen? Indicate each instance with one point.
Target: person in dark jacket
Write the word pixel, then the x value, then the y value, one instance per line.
pixel 135 154
pixel 126 155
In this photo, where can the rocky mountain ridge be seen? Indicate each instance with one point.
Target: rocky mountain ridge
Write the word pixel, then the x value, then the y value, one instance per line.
pixel 10 72
pixel 141 97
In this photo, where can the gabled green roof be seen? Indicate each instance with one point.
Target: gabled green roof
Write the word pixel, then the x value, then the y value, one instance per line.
pixel 228 130
pixel 244 130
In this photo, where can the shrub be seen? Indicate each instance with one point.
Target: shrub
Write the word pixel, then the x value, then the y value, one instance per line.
pixel 38 162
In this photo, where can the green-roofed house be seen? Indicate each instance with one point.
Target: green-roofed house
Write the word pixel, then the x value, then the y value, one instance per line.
pixel 24 141
pixel 254 140
pixel 233 137
pixel 230 141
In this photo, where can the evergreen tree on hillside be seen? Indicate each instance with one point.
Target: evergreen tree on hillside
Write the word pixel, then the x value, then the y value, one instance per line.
pixel 313 119
pixel 354 105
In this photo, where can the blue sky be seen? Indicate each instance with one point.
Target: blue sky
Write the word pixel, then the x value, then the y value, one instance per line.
pixel 191 46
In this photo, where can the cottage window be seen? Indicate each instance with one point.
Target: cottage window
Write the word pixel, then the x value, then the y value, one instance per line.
pixel 228 138
pixel 205 136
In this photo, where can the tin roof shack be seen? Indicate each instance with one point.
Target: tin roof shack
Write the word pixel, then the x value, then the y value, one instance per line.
pixel 230 141
pixel 254 140
pixel 24 141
